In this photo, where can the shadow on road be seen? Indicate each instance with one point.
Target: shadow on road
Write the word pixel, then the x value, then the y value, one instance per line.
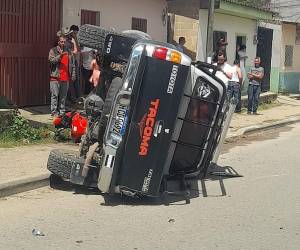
pixel 175 195
pixel 58 184
pixel 218 173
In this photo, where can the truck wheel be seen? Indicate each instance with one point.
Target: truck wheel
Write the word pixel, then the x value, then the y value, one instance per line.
pixel 137 34
pixel 115 85
pixel 92 36
pixel 60 162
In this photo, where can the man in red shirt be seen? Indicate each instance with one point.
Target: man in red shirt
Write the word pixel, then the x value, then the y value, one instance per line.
pixel 62 71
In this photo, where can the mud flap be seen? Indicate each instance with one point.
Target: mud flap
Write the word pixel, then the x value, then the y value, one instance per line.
pixel 76 173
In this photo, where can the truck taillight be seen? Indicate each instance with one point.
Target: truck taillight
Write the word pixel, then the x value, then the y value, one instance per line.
pixel 160 53
pixel 167 54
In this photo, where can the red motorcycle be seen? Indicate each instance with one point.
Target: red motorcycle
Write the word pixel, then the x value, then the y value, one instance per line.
pixel 70 120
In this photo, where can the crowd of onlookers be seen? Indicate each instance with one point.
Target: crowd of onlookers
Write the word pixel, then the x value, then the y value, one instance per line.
pixel 234 76
pixel 71 65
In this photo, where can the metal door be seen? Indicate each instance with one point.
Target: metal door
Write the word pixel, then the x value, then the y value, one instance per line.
pixel 264 51
pixel 28 29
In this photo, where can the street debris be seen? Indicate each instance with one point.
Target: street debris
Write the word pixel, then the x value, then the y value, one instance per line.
pixel 36 232
pixel 171 220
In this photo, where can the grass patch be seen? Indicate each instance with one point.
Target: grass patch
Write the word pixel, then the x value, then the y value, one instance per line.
pixel 269 105
pixel 20 133
pixel 265 106
pixel 7 141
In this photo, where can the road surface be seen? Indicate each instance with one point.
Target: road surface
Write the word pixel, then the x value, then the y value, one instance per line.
pixel 260 210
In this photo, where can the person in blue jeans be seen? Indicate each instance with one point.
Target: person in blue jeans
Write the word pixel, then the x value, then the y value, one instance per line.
pixel 255 75
pixel 234 84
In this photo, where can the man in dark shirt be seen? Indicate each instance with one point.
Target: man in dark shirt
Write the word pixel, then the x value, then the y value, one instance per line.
pixel 255 75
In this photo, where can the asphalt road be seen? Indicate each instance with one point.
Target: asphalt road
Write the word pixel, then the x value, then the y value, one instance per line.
pixel 260 210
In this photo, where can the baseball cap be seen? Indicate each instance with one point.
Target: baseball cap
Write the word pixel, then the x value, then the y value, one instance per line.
pixel 64 31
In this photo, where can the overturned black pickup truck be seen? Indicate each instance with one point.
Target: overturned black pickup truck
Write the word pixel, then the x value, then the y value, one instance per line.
pixel 155 116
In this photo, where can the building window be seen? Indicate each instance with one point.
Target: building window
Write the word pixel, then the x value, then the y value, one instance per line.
pixel 90 17
pixel 217 36
pixel 288 58
pixel 139 24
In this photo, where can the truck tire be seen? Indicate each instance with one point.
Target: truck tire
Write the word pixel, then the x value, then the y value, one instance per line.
pixel 137 34
pixel 60 162
pixel 92 36
pixel 115 85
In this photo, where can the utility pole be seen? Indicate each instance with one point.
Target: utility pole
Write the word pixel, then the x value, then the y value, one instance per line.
pixel 210 30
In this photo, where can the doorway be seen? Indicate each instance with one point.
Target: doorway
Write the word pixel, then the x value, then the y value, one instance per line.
pixel 240 42
pixel 264 51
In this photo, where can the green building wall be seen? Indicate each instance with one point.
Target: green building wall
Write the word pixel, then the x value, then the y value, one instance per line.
pixel 289 82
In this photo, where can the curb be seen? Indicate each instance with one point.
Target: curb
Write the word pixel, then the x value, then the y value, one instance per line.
pixel 256 128
pixel 23 185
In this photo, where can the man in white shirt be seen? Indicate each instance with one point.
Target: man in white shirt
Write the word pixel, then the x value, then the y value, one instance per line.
pixel 225 72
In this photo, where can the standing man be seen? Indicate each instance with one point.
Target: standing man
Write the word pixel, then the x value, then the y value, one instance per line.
pixel 76 51
pixel 220 49
pixel 87 71
pixel 241 55
pixel 181 43
pixel 234 85
pixel 255 75
pixel 225 72
pixel 62 71
pixel 71 45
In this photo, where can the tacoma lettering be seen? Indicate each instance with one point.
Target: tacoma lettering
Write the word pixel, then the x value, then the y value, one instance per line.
pixel 148 130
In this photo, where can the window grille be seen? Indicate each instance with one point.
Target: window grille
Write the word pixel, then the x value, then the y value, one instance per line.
pixel 139 24
pixel 289 53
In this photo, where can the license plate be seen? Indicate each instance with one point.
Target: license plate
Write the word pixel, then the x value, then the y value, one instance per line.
pixel 120 120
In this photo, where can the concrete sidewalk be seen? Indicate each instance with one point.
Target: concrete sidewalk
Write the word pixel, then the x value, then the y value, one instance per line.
pixel 21 165
pixel 23 168
pixel 288 108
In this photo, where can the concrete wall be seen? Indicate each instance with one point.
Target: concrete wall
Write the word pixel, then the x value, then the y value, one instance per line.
pixel 290 76
pixel 117 14
pixel 185 22
pixel 289 38
pixel 234 26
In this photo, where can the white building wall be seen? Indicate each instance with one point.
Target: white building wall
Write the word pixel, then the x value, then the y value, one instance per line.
pixel 118 14
pixel 234 26
pixel 276 43
pixel 289 38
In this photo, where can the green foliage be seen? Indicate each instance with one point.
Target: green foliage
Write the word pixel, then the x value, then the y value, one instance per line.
pixel 20 131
